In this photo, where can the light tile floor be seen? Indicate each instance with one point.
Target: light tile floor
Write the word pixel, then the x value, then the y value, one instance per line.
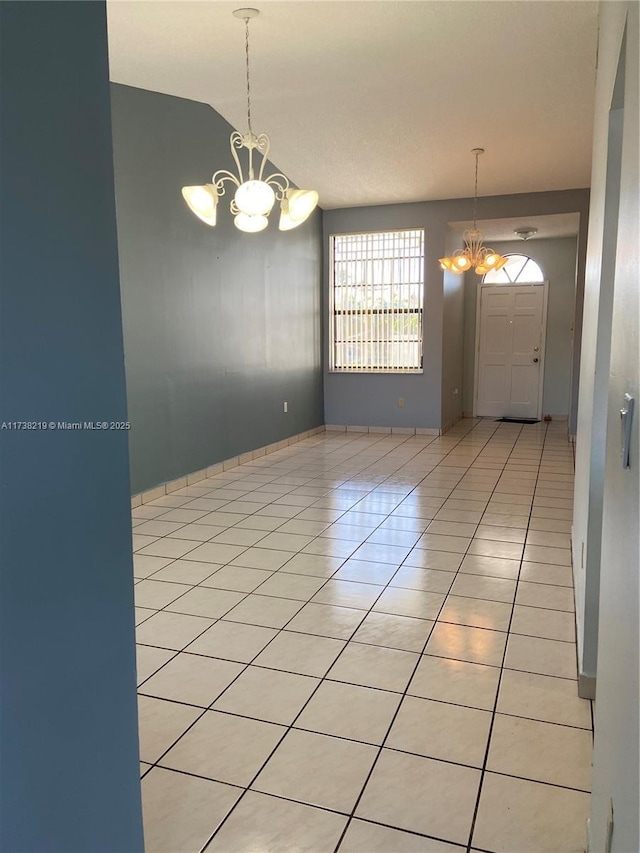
pixel 365 642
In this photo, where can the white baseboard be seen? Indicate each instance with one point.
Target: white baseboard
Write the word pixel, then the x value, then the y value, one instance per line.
pixel 382 430
pixel 446 427
pixel 586 686
pixel 196 476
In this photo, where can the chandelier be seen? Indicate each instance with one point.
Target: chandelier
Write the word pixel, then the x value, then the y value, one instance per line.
pixel 255 195
pixel 474 253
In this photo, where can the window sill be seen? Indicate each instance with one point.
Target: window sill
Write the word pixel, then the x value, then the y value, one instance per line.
pixel 399 372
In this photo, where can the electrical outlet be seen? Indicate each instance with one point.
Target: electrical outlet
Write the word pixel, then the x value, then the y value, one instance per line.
pixel 285 407
pixel 401 401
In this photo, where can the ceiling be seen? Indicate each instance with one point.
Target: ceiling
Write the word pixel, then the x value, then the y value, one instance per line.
pixel 381 101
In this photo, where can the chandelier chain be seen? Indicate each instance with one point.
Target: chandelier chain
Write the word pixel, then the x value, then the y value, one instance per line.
pixel 475 254
pixel 246 29
pixel 255 192
pixel 475 195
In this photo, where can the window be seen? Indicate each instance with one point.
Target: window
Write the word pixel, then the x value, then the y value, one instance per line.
pixel 519 268
pixel 377 288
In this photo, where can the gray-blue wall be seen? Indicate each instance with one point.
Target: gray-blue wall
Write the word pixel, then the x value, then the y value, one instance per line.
pixel 220 327
pixel 372 400
pixel 453 326
pixel 69 765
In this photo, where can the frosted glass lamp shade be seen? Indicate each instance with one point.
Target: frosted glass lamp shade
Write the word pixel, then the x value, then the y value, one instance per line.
pixel 250 224
pixel 255 198
pixel 302 203
pixel 203 201
pixel 490 261
pixel 296 207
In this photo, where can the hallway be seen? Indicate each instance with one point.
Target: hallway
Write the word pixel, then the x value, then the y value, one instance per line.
pixel 365 641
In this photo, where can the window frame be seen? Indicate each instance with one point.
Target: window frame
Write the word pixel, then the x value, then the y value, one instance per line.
pixel 517 280
pixel 407 371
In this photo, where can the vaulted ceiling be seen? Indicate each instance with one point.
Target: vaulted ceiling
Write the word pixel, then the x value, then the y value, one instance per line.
pixel 380 101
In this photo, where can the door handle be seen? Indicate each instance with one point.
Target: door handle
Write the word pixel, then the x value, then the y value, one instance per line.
pixel 536 349
pixel 536 360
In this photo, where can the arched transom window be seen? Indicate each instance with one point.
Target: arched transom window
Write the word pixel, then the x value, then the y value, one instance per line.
pixel 518 269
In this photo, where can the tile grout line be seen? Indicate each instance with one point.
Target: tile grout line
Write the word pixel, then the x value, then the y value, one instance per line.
pixel 278 630
pixel 150 577
pixel 502 668
pixel 209 707
pixel 292 724
pixel 404 694
pixel 400 493
pixel 270 503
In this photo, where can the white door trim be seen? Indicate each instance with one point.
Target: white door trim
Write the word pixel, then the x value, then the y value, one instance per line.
pixel 543 338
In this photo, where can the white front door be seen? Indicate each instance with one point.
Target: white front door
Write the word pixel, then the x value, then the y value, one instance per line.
pixel 510 333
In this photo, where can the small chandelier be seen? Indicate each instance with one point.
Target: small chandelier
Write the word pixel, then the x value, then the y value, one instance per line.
pixel 255 195
pixel 474 253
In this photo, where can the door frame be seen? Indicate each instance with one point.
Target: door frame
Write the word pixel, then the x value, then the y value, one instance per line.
pixel 543 338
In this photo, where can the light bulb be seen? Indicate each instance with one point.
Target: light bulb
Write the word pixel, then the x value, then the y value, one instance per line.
pixel 255 198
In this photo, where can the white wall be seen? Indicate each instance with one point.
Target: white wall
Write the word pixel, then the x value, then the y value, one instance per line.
pixel 612 262
pixel 596 350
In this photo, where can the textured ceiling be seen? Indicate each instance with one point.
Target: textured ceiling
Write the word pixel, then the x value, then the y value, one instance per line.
pixel 380 102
